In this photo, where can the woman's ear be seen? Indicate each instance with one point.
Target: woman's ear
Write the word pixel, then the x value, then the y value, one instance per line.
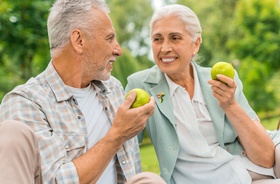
pixel 197 44
pixel 77 40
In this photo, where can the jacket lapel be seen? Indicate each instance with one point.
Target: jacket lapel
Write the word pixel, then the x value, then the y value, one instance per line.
pixel 216 113
pixel 159 85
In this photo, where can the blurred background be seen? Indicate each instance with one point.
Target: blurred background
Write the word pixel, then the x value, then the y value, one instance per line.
pixel 245 33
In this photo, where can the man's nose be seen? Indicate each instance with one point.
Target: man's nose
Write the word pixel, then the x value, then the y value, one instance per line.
pixel 117 50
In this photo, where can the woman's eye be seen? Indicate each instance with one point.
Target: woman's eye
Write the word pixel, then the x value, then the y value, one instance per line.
pixel 175 38
pixel 157 39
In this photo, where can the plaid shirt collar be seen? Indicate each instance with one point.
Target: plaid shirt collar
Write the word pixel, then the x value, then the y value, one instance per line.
pixel 60 90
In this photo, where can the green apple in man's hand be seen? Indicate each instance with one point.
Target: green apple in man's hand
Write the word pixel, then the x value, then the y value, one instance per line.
pixel 142 97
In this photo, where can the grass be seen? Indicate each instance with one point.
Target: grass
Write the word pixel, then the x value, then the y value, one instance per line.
pixel 149 158
pixel 148 155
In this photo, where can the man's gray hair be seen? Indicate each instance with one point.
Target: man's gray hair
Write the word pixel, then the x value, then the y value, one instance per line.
pixel 66 15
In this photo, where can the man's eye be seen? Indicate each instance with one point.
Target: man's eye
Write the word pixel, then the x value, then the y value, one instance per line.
pixel 110 39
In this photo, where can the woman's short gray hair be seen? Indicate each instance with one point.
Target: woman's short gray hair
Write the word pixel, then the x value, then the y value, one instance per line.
pixel 66 15
pixel 184 13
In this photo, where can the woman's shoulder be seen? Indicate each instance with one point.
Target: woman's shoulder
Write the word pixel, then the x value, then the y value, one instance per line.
pixel 142 73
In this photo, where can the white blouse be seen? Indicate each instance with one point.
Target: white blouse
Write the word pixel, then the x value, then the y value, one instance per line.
pixel 201 160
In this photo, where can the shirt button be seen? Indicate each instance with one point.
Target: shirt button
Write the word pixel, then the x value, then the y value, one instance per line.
pixel 243 153
pixel 106 108
pixel 123 162
pixel 79 117
pixel 75 102
pixel 66 146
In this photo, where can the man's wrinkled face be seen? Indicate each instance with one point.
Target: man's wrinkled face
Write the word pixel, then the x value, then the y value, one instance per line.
pixel 102 49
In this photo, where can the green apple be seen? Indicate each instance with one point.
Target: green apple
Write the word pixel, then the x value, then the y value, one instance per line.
pixel 142 97
pixel 223 68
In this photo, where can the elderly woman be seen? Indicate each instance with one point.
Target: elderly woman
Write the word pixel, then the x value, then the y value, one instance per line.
pixel 203 130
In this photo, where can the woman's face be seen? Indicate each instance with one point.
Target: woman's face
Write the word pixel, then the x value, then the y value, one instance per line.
pixel 172 45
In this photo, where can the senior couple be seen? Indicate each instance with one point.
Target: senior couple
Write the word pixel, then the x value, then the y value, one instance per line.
pixel 72 123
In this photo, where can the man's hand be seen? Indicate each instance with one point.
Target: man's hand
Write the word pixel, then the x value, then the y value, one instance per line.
pixel 128 122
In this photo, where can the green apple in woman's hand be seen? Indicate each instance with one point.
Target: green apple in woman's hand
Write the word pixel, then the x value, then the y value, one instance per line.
pixel 223 68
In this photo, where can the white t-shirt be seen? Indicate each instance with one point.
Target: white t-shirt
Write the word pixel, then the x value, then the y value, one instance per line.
pixel 98 125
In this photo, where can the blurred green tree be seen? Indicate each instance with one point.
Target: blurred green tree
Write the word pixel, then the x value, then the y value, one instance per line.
pixel 255 43
pixel 24 45
pixel 132 27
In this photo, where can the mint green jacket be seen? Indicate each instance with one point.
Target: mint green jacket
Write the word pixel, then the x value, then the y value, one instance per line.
pixel 161 126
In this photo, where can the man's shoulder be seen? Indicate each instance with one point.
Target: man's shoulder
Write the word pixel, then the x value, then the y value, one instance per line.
pixel 35 87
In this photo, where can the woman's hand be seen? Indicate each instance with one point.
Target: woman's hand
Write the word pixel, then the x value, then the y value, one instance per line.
pixel 223 90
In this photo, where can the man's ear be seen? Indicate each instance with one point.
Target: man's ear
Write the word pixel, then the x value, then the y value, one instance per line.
pixel 77 40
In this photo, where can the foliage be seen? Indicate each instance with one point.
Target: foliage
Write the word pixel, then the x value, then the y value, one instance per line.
pixel 132 27
pixel 257 31
pixel 255 42
pixel 24 45
pixel 253 73
pixel 131 23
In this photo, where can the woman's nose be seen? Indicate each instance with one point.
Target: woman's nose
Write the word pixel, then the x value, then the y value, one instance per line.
pixel 166 47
